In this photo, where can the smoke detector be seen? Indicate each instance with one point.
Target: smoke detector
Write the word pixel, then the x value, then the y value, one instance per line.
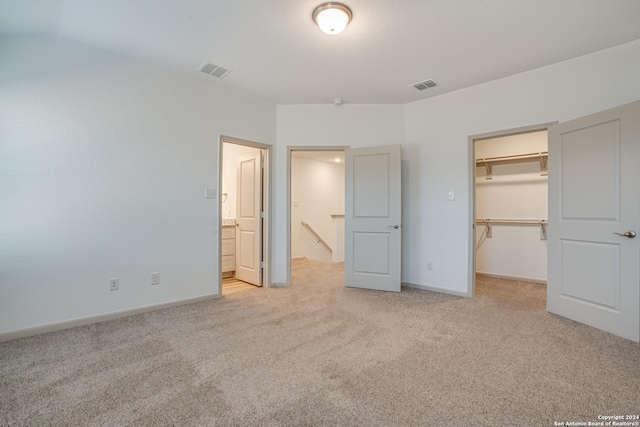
pixel 427 84
pixel 214 70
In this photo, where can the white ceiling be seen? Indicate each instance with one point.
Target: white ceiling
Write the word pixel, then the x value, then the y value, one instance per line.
pixel 279 55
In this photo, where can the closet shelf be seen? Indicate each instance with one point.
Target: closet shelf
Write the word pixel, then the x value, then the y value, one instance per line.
pixel 542 223
pixel 529 157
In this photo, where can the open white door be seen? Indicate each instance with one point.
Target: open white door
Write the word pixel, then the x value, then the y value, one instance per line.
pixel 594 176
pixel 373 214
pixel 248 219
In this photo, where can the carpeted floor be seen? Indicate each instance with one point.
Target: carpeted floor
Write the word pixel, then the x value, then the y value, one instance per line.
pixel 319 354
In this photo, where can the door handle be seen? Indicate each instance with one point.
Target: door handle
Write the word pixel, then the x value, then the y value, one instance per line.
pixel 630 234
pixel 394 226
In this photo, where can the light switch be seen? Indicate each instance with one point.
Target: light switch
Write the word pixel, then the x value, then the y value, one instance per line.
pixel 452 195
pixel 209 193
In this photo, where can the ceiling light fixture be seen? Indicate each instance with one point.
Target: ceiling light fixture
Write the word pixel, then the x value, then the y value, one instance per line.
pixel 331 17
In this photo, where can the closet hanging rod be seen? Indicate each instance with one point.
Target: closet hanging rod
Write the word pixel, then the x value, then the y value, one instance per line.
pixel 542 223
pixel 512 221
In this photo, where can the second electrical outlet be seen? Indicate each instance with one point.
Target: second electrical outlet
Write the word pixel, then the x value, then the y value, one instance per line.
pixel 155 278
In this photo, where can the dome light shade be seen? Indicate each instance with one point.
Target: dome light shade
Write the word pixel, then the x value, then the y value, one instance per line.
pixel 332 18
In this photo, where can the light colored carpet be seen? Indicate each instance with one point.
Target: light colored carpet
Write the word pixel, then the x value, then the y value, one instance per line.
pixel 319 354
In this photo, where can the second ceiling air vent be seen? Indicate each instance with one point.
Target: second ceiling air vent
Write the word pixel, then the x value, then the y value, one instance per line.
pixel 425 84
pixel 214 70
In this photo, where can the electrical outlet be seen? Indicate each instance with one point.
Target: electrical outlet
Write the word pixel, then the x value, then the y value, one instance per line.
pixel 155 278
pixel 429 265
pixel 114 284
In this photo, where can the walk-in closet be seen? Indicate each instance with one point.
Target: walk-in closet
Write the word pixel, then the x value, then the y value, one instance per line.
pixel 511 207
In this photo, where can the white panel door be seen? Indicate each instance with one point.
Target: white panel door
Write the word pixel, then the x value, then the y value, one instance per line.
pixel 594 181
pixel 248 221
pixel 373 229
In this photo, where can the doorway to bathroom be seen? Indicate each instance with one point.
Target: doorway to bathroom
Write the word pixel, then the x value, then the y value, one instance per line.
pixel 244 218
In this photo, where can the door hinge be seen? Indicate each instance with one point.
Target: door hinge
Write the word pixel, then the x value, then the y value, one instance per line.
pixel 261 264
pixel 262 214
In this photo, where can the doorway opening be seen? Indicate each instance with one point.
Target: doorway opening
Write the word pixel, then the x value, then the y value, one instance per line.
pixel 316 187
pixel 244 215
pixel 509 209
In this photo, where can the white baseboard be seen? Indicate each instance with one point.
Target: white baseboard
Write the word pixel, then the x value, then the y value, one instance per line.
pixel 520 279
pixel 58 326
pixel 435 289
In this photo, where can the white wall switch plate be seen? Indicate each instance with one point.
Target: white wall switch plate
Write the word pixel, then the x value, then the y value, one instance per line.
pixel 452 195
pixel 155 278
pixel 209 193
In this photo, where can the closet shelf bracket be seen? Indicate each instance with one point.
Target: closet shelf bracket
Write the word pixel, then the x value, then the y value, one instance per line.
pixel 543 165
pixel 543 230
pixel 489 174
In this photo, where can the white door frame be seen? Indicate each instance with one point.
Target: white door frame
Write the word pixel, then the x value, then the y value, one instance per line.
pixel 291 148
pixel 471 280
pixel 266 196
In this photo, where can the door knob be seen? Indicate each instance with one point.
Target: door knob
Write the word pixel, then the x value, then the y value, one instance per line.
pixel 630 234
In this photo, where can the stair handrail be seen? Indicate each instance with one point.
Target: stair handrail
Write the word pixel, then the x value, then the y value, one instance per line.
pixel 317 236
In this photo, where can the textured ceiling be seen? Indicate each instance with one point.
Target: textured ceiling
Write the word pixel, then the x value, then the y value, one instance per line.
pixel 279 55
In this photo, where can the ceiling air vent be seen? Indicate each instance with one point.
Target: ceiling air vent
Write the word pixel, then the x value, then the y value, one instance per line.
pixel 214 70
pixel 425 84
